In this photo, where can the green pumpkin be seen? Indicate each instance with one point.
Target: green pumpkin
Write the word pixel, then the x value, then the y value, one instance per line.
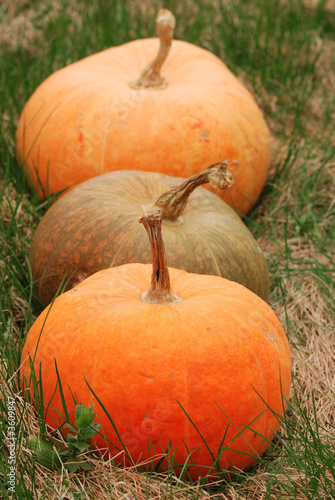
pixel 94 226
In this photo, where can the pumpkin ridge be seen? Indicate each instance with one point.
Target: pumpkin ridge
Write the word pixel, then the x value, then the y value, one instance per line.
pixel 32 118
pixel 198 237
pixel 62 102
pixel 93 365
pixel 125 239
pixel 262 284
pixel 39 132
pixel 104 144
pixel 186 378
pixel 234 235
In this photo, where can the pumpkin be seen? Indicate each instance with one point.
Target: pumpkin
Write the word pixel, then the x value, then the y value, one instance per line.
pixel 98 115
pixel 180 362
pixel 93 227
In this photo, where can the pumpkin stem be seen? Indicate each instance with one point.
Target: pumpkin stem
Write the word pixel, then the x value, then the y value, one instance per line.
pixel 150 77
pixel 174 201
pixel 160 289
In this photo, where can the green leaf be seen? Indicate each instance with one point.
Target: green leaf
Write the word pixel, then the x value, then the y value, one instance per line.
pixel 74 463
pixel 81 446
pixel 71 439
pixel 65 453
pixel 49 459
pixel 89 431
pixel 37 443
pixel 46 454
pixel 71 427
pixel 86 466
pixel 56 442
pixel 72 467
pixel 84 416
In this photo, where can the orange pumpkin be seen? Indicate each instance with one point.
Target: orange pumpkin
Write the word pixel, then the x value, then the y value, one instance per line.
pixel 93 116
pixel 174 363
pixel 94 227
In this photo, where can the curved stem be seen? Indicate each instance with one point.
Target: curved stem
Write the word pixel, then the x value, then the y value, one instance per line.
pixel 160 289
pixel 150 77
pixel 173 202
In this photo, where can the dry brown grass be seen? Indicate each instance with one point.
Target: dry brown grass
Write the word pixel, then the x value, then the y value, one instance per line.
pixel 312 4
pixel 23 23
pixel 314 358
pixel 14 210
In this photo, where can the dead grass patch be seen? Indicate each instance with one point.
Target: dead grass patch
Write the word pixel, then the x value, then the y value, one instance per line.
pixel 313 5
pixel 24 23
pixel 14 211
pixel 15 208
pixel 314 357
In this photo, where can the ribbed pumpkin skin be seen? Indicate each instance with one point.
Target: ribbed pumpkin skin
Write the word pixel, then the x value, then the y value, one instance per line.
pixel 217 353
pixel 94 227
pixel 85 120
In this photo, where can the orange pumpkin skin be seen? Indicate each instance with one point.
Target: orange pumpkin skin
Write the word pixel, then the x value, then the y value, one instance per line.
pixel 85 120
pixel 217 353
pixel 94 227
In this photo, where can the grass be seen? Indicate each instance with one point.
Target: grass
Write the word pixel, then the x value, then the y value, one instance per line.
pixel 284 52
